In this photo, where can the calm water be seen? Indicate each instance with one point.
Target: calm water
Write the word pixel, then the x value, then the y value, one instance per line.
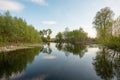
pixel 60 62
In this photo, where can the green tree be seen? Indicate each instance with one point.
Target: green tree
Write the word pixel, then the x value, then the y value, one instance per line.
pixel 45 34
pixel 103 23
pixel 16 30
pixel 77 36
pixel 49 31
pixel 59 37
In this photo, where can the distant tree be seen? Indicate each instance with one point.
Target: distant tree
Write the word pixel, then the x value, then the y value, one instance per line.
pixel 45 34
pixel 49 31
pixel 75 36
pixel 59 37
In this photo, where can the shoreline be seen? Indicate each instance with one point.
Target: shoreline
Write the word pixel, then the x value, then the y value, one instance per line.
pixel 9 48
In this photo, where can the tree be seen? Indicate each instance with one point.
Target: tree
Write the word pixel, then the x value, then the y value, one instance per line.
pixel 103 23
pixel 16 30
pixel 49 31
pixel 45 34
pixel 59 37
pixel 77 36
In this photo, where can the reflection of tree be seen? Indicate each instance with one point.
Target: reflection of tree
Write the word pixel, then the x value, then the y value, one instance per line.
pixel 105 65
pixel 59 46
pixel 116 64
pixel 47 49
pixel 70 48
pixel 117 69
pixel 16 61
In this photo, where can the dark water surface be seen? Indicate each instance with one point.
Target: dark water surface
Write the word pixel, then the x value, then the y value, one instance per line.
pixel 60 62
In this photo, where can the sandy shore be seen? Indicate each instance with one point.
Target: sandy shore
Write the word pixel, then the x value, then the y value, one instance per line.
pixel 16 47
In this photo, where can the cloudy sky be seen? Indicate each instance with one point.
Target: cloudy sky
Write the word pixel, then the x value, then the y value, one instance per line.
pixel 58 14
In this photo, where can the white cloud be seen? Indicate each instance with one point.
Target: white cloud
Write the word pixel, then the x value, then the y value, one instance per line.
pixel 10 5
pixel 49 22
pixel 40 2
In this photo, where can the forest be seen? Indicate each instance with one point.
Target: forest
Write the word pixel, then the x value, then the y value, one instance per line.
pixel 16 30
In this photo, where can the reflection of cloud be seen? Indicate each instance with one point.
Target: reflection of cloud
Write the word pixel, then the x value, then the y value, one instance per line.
pixel 49 57
pixel 41 77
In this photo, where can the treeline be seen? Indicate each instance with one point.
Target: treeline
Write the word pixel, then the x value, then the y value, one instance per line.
pixel 77 36
pixel 16 30
pixel 108 29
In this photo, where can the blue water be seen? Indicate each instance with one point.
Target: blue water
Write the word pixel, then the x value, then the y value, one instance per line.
pixel 54 62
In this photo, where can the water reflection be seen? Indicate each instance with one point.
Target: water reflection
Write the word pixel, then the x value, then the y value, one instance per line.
pixel 49 63
pixel 59 46
pixel 107 64
pixel 70 48
pixel 13 63
pixel 49 57
pixel 47 49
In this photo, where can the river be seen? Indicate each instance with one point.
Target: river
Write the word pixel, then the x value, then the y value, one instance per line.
pixel 56 61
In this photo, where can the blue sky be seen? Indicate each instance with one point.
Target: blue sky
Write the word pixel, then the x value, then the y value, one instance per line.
pixel 59 14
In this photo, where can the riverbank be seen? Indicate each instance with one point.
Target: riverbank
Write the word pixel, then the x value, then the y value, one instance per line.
pixel 14 47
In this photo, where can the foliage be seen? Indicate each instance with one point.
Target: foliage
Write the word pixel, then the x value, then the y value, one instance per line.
pixel 75 36
pixel 59 37
pixel 45 35
pixel 113 43
pixel 16 30
pixel 104 25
